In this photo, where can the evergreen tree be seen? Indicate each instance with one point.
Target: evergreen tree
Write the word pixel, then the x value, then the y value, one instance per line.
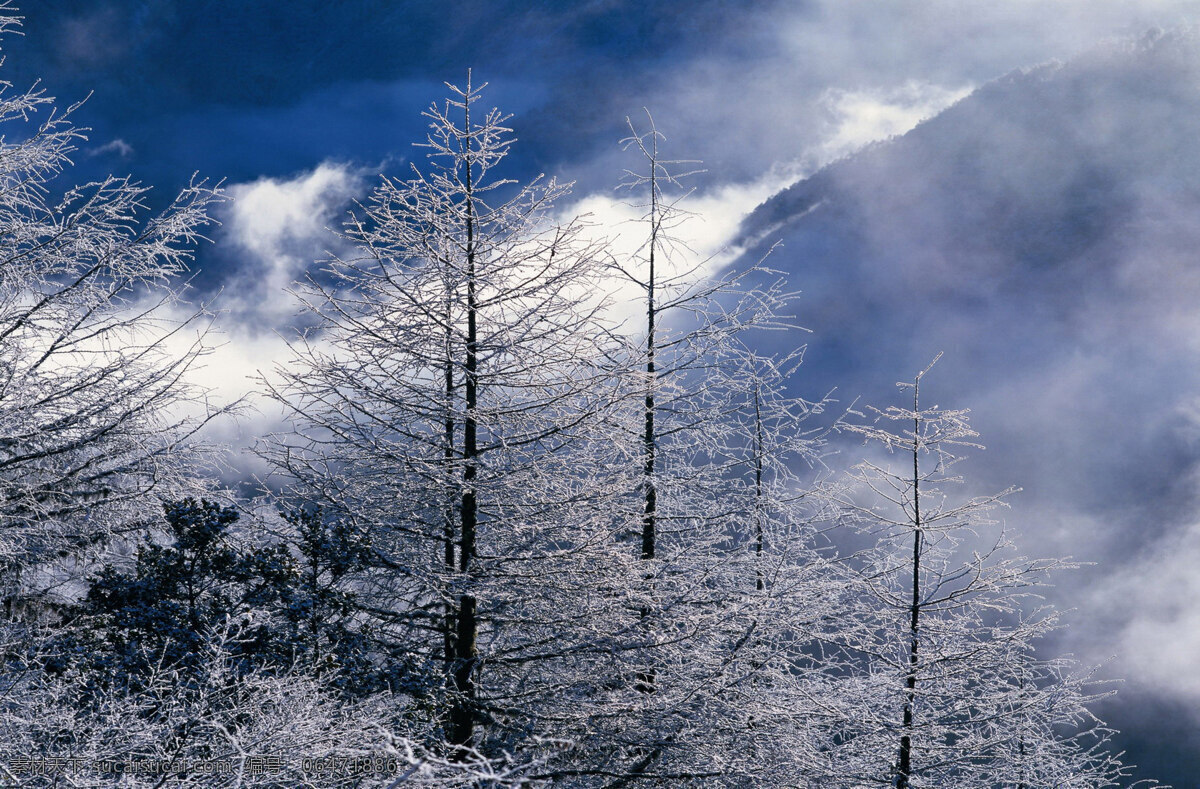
pixel 179 596
pixel 321 611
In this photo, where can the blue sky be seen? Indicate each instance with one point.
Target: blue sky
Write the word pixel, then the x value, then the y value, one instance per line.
pixel 299 105
pixel 251 89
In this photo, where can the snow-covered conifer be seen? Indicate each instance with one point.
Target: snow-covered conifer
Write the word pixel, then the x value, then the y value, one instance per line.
pixel 943 685
pixel 98 406
pixel 451 402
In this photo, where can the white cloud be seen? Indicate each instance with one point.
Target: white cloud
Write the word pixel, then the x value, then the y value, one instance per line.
pixel 118 146
pixel 275 229
pixel 280 227
pixel 707 226
pixel 1159 597
pixel 267 210
pixel 859 117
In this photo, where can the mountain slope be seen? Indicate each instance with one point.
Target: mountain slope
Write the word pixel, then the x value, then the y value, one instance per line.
pixel 1045 233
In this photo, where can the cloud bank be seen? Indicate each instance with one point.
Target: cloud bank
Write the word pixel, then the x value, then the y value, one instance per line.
pixel 1042 232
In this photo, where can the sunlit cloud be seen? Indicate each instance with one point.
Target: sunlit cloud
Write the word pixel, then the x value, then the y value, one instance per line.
pixel 860 117
pixel 702 234
pixel 279 228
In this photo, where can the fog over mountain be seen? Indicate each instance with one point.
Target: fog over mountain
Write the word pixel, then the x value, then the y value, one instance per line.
pixel 1044 232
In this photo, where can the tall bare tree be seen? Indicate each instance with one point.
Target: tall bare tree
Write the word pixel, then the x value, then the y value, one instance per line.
pixel 98 404
pixel 943 684
pixel 452 399
pixel 717 435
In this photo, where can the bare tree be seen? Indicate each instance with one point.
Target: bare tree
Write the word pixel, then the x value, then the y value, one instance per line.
pixel 715 437
pixel 451 401
pixel 98 412
pixel 943 685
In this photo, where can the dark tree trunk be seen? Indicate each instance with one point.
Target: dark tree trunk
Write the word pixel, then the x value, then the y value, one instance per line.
pixel 462 716
pixel 646 677
pixel 449 625
pixel 760 582
pixel 904 769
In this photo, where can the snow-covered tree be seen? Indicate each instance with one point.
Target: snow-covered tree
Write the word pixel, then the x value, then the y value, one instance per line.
pixel 202 666
pixel 97 411
pixel 182 590
pixel 728 582
pixel 218 726
pixel 328 634
pixel 450 404
pixel 942 685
